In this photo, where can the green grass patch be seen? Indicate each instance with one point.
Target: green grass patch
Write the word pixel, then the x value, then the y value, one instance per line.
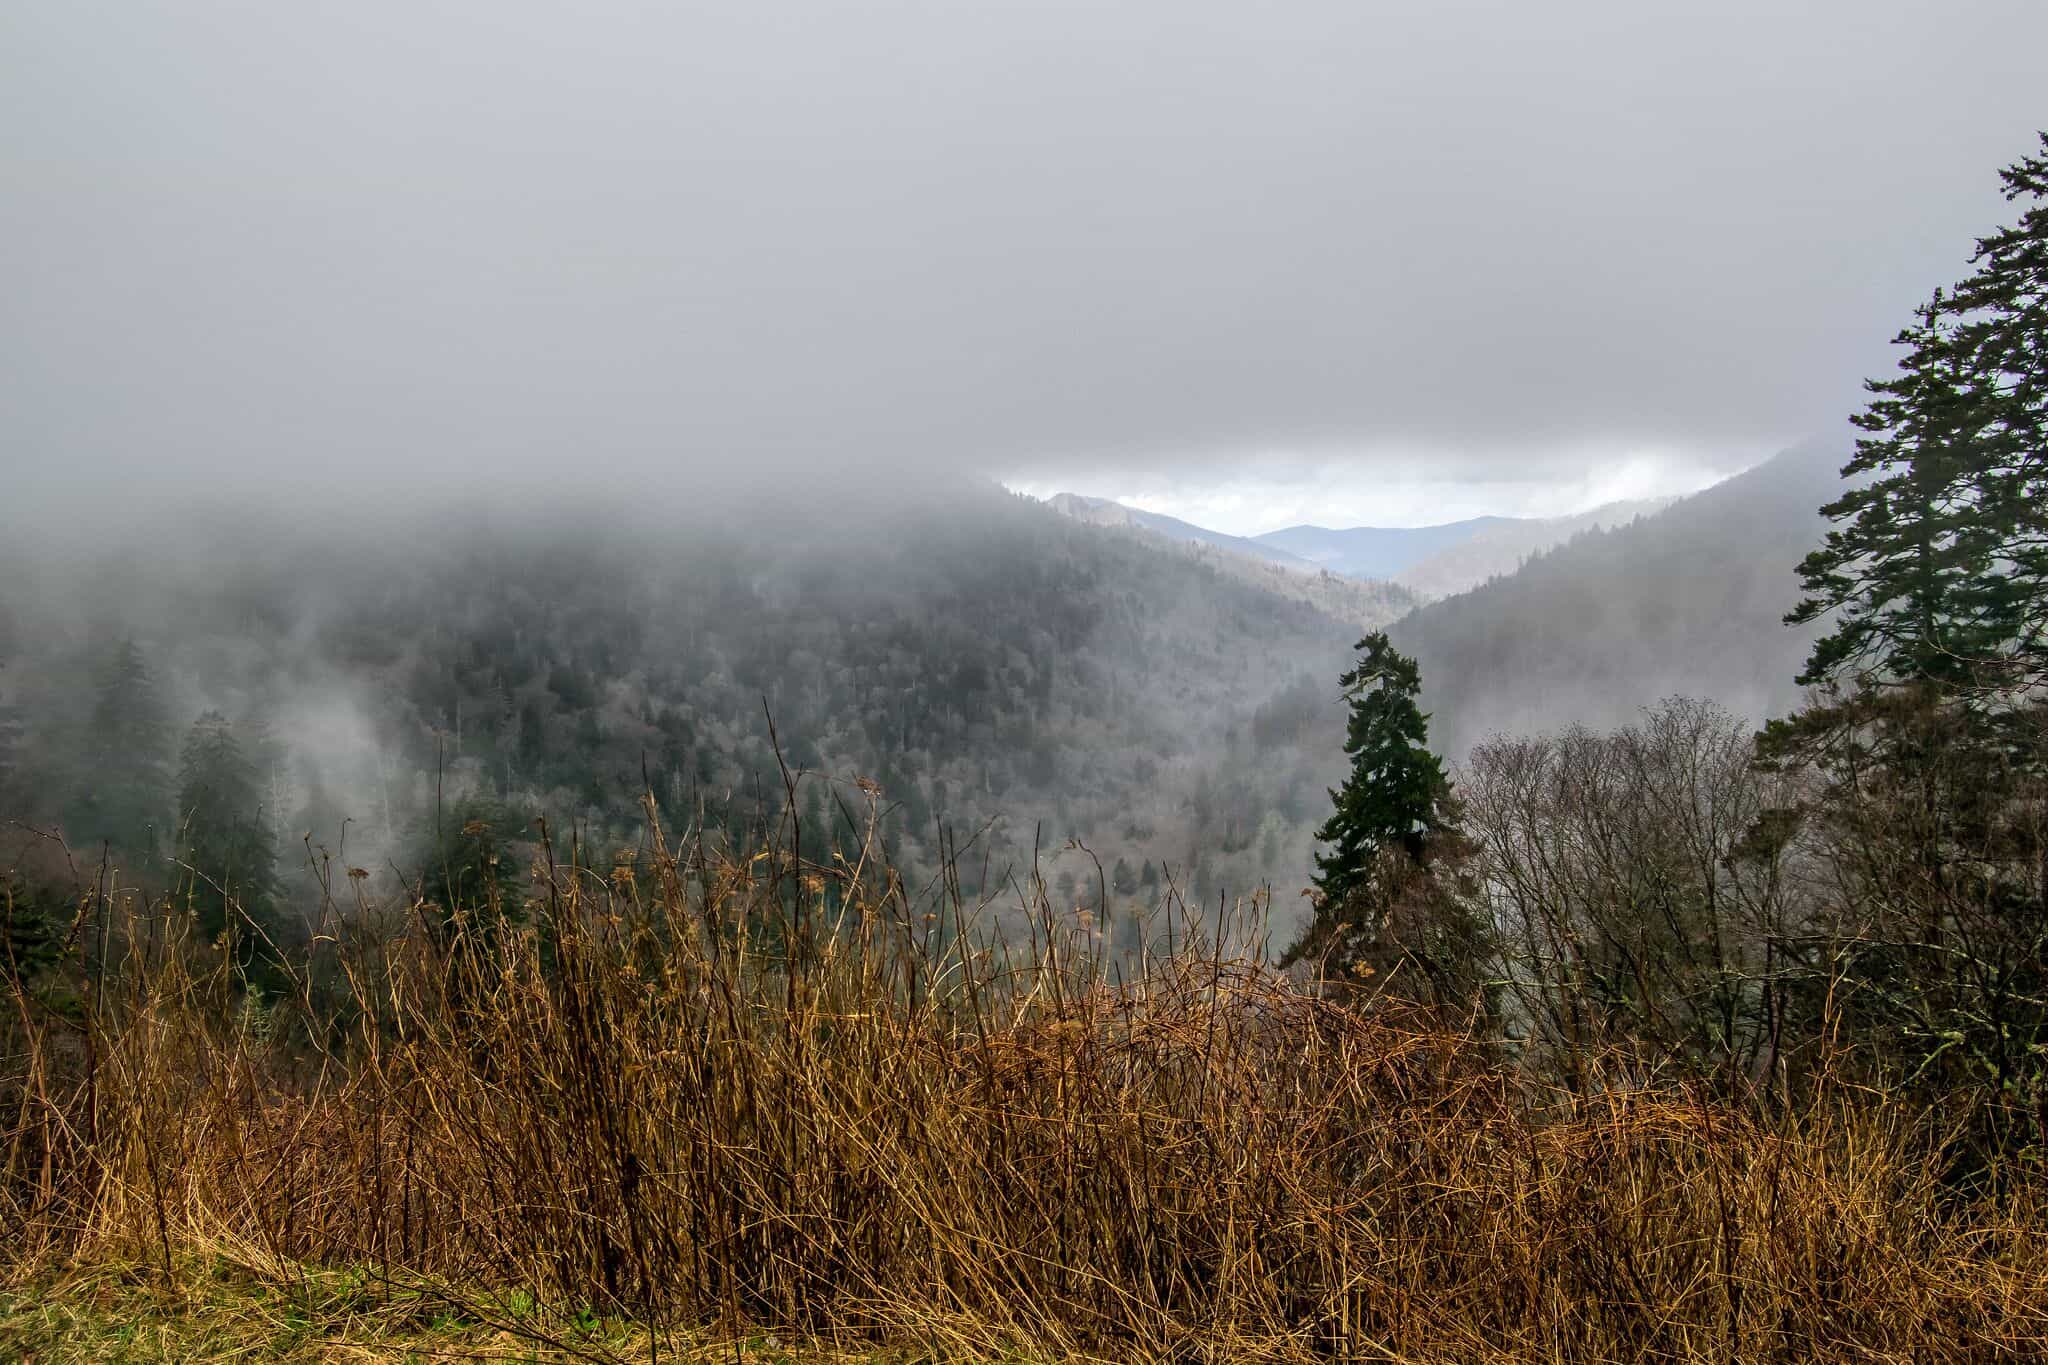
pixel 218 1312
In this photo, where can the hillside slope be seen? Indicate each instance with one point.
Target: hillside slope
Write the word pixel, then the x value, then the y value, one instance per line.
pixel 1688 601
pixel 1501 547
pixel 1362 604
pixel 985 660
pixel 1106 512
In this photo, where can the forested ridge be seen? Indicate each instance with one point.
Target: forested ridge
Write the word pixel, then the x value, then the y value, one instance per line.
pixel 1688 601
pixel 1000 671
pixel 984 661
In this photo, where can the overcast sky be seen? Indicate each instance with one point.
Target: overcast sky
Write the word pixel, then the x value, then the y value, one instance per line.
pixel 1256 263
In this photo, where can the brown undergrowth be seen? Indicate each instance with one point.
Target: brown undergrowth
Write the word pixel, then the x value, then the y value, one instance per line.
pixel 718 1095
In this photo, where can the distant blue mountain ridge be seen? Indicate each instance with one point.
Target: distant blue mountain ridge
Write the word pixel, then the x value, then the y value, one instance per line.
pixel 1356 551
pixel 1375 551
pixel 1428 561
pixel 1104 512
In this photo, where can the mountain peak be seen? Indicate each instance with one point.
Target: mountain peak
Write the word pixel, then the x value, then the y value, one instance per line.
pixel 1097 511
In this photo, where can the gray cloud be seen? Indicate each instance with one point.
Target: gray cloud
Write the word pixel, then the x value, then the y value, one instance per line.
pixel 340 245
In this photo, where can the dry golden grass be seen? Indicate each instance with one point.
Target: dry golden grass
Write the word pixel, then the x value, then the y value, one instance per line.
pixel 719 1098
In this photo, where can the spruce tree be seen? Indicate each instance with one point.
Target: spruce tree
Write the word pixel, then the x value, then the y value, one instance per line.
pixel 468 862
pixel 2002 330
pixel 33 916
pixel 229 858
pixel 1390 893
pixel 1937 571
pixel 1927 745
pixel 122 792
pixel 1396 795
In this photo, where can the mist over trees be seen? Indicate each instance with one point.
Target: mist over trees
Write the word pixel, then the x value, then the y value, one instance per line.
pixel 558 798
pixel 118 775
pixel 1862 887
pixel 993 667
pixel 1688 601
pixel 226 849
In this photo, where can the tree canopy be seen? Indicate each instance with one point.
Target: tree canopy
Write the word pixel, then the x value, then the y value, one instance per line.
pixel 123 791
pixel 224 839
pixel 1925 758
pixel 1396 794
pixel 1938 567
pixel 1389 892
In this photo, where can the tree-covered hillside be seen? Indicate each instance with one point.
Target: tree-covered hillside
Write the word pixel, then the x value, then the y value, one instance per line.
pixel 1502 545
pixel 981 659
pixel 1366 604
pixel 1688 602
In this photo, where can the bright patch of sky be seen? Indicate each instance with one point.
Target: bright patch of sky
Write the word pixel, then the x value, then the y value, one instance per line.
pixel 1335 494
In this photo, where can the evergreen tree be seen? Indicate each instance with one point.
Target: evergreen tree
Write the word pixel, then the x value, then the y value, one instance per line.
pixel 1389 893
pixel 467 859
pixel 468 888
pixel 269 763
pixel 123 792
pixel 1938 569
pixel 224 837
pixel 33 917
pixel 1396 795
pixel 2002 330
pixel 1928 746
